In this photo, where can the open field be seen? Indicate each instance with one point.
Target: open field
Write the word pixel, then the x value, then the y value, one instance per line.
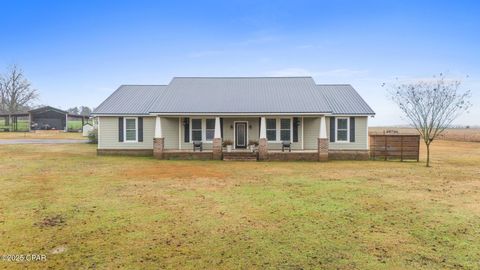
pixel 33 135
pixel 451 134
pixel 85 211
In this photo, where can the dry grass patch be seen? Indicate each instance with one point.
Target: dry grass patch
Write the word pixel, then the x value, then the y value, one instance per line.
pixel 134 212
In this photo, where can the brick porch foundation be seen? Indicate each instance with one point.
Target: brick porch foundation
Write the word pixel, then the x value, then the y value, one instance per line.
pixel 158 146
pixel 217 149
pixel 262 149
pixel 322 149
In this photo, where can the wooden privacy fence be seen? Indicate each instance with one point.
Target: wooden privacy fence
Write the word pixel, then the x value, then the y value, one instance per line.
pixel 403 147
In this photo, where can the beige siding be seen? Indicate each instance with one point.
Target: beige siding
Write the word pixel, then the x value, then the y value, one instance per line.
pixel 360 136
pixel 170 132
pixel 312 131
pixel 108 134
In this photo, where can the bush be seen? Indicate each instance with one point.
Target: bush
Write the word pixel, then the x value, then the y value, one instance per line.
pixel 93 136
pixel 227 142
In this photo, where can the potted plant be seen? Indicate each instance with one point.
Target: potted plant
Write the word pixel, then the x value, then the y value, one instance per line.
pixel 253 145
pixel 228 144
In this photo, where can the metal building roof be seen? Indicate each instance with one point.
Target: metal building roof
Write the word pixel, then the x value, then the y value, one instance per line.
pixel 343 99
pixel 206 95
pixel 241 95
pixel 131 99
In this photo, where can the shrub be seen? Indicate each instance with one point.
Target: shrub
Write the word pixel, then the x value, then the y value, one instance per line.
pixel 227 142
pixel 93 136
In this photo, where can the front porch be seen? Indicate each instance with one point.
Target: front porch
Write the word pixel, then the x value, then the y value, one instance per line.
pixel 226 137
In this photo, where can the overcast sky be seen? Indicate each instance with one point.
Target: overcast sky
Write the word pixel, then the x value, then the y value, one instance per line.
pixel 78 52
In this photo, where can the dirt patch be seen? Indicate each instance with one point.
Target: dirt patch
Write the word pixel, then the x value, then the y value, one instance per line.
pixel 51 221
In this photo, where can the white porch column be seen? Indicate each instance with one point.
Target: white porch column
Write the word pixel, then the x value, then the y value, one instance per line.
pixel 158 140
pixel 262 143
pixel 217 141
pixel 263 128
pixel 323 141
pixel 323 128
pixel 158 127
pixel 218 133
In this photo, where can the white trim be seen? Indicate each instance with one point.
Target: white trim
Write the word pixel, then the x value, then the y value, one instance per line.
pixel 366 125
pixel 125 130
pixel 278 130
pixel 98 131
pixel 303 144
pixel 180 133
pixel 336 129
pixel 259 114
pixel 235 133
pixel 203 129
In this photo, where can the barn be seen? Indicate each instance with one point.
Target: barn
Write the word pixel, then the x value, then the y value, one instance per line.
pixel 48 118
pixel 43 118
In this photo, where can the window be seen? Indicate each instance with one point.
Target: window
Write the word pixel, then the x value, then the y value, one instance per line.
pixel 285 129
pixel 130 129
pixel 342 130
pixel 210 129
pixel 271 129
pixel 196 129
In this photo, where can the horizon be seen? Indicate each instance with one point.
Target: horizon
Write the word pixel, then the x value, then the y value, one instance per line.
pixel 78 53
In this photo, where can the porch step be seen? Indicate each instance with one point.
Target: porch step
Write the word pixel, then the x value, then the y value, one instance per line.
pixel 239 156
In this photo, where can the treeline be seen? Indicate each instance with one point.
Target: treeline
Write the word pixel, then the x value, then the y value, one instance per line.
pixel 81 110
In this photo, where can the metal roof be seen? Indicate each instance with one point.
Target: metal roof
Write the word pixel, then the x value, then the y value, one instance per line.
pixel 205 95
pixel 131 99
pixel 241 95
pixel 343 99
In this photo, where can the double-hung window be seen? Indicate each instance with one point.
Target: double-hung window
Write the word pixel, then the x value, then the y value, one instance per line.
pixel 271 129
pixel 342 130
pixel 285 129
pixel 196 129
pixel 130 129
pixel 210 129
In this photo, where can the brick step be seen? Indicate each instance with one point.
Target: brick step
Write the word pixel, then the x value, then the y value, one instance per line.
pixel 240 156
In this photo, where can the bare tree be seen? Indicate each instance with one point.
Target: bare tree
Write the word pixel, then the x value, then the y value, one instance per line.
pixel 16 92
pixel 431 105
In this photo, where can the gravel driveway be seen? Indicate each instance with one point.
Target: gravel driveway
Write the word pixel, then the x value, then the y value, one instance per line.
pixel 40 141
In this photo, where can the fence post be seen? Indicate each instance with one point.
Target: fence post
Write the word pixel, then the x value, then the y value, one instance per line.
pixel 401 148
pixel 385 148
pixel 418 148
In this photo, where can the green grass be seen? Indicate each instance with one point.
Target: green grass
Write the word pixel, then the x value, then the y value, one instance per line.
pixel 141 213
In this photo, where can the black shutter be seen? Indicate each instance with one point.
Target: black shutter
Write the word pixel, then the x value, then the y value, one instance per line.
pixel 352 129
pixel 332 129
pixel 221 127
pixel 186 130
pixel 140 129
pixel 295 129
pixel 120 129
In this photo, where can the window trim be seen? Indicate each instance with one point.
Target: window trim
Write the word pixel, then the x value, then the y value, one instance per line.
pixel 203 128
pixel 125 130
pixel 204 138
pixel 348 130
pixel 278 128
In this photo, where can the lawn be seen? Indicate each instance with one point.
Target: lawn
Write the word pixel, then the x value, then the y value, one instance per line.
pixel 44 135
pixel 85 211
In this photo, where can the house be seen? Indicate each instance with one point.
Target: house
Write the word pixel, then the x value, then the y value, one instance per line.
pixel 319 122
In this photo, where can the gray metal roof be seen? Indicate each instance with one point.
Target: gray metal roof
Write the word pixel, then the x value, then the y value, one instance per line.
pixel 241 95
pixel 235 95
pixel 131 99
pixel 343 99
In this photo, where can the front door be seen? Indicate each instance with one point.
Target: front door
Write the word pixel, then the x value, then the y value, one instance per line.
pixel 240 135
